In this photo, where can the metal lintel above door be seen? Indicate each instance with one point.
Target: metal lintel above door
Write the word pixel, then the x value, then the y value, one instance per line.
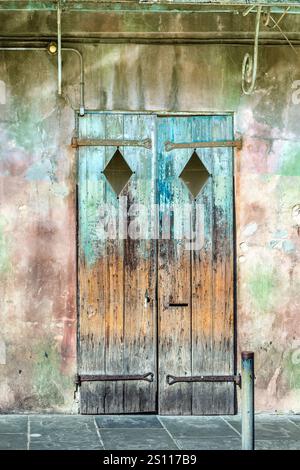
pixel 145 143
pixel 169 146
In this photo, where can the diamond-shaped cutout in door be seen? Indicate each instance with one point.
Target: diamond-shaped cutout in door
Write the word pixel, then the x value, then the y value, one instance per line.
pixel 194 174
pixel 117 172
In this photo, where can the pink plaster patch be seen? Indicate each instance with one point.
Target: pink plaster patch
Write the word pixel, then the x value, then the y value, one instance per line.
pixel 258 156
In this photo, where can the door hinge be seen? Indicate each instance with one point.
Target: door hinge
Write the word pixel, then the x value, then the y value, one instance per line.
pixel 149 377
pixel 145 143
pixel 195 145
pixel 171 379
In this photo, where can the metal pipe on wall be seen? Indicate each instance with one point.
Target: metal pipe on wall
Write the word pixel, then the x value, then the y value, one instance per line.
pixel 59 63
pixel 247 400
pixel 122 6
pixel 82 105
pixel 70 49
pixel 133 38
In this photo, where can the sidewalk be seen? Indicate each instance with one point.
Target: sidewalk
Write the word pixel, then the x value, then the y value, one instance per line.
pixel 66 432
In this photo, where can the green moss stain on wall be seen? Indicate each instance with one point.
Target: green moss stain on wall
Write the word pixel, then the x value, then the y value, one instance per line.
pixel 24 129
pixel 288 191
pixel 263 283
pixel 291 369
pixel 290 160
pixel 29 134
pixel 48 381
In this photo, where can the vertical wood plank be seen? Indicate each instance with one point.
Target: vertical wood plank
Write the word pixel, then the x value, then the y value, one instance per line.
pixel 139 272
pixel 114 289
pixel 202 282
pixel 91 274
pixel 173 274
pixel 223 333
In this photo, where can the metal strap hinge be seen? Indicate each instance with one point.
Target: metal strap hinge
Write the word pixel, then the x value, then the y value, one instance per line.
pixel 149 377
pixel 171 379
pixel 212 144
pixel 145 143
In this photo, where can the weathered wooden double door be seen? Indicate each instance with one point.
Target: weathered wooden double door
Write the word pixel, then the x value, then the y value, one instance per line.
pixel 155 244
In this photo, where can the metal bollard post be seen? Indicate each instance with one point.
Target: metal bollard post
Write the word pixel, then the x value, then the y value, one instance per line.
pixel 247 400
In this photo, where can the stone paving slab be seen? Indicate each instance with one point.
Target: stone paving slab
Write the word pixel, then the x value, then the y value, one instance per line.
pixel 278 444
pixel 13 424
pixel 182 427
pixel 137 439
pixel 65 443
pixel 128 421
pixel 148 432
pixel 64 432
pixel 269 427
pixel 222 443
pixel 295 419
pixel 49 424
pixel 13 441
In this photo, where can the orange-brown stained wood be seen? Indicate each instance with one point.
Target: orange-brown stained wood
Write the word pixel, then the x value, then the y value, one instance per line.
pixel 197 339
pixel 223 332
pixel 117 329
pixel 202 309
pixel 174 275
pixel 139 273
pixel 174 326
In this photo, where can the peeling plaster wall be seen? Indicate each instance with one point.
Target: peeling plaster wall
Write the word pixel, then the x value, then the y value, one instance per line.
pixel 37 239
pixel 38 209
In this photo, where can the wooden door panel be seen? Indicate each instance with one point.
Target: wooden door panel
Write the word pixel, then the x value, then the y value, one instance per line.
pixel 140 298
pixel 140 308
pixel 92 275
pixel 196 339
pixel 117 328
pixel 173 274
